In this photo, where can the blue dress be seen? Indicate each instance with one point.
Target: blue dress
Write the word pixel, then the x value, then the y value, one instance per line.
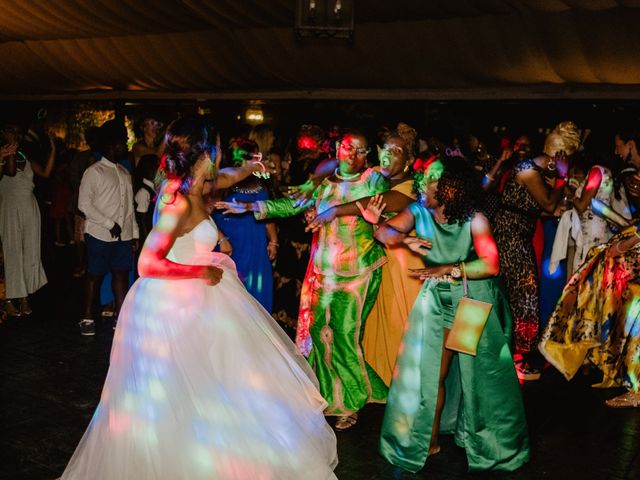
pixel 551 284
pixel 248 238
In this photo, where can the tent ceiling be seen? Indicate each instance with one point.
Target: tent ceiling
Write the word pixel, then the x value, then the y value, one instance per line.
pixel 401 49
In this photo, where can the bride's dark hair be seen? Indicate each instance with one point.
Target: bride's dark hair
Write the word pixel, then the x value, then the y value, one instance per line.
pixel 186 140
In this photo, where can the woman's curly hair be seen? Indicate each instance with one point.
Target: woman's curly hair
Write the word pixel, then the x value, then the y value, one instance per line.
pixel 459 190
pixel 186 140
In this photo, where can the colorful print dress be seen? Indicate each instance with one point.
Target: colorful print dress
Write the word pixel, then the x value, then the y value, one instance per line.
pixel 598 318
pixel 344 282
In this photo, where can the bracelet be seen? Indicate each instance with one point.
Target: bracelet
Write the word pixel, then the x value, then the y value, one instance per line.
pixel 616 247
pixel 263 173
pixel 264 169
pixel 222 240
pixel 274 243
pixel 488 177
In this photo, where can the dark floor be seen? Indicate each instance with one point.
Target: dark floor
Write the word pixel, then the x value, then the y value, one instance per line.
pixel 51 377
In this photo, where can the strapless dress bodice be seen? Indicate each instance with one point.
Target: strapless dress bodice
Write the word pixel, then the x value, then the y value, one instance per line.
pixel 196 246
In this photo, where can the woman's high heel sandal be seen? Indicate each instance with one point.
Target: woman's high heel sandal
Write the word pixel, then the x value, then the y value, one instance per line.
pixel 11 309
pixel 25 308
pixel 345 422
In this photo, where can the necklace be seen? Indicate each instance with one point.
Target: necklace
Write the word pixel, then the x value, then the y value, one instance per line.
pixel 346 176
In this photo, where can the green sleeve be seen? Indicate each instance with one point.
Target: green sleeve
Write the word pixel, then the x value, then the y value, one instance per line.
pixel 280 207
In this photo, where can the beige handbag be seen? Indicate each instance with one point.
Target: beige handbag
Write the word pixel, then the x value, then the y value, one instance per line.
pixel 468 323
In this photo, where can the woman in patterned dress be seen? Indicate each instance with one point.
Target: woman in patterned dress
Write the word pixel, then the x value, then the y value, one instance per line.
pixel 598 315
pixel 398 290
pixel 598 318
pixel 526 194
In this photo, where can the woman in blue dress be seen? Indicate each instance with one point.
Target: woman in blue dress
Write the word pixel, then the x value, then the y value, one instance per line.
pixel 254 244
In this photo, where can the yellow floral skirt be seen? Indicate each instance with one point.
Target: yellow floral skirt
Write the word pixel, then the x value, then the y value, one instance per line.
pixel 598 318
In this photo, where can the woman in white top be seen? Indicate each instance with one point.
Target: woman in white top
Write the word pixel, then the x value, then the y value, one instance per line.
pixel 20 225
pixel 594 229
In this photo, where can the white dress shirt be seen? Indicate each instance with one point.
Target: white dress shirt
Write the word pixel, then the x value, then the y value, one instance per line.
pixel 106 198
pixel 143 197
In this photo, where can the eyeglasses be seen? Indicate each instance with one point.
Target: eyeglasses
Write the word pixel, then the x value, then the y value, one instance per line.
pixel 392 148
pixel 351 149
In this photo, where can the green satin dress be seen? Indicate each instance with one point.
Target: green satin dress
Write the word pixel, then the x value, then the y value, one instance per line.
pixel 483 406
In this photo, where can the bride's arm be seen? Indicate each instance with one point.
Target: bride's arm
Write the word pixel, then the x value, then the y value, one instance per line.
pixel 228 177
pixel 153 260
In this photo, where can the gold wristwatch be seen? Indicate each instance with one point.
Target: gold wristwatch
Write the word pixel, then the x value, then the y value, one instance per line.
pixel 456 273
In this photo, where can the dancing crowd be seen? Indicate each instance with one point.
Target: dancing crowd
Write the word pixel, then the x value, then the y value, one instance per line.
pixel 279 286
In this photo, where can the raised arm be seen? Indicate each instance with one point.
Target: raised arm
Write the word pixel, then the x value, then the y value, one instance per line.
pixel 153 260
pixel 303 193
pixel 279 207
pixel 46 171
pixel 228 177
pixel 8 160
pixel 547 199
pixel 594 179
pixel 489 178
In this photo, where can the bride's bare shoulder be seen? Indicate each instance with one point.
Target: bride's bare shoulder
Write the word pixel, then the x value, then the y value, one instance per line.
pixel 170 200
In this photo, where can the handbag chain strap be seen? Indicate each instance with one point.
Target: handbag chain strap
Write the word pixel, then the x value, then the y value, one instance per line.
pixel 464 280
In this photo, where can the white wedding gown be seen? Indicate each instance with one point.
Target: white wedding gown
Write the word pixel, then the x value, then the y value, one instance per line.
pixel 203 384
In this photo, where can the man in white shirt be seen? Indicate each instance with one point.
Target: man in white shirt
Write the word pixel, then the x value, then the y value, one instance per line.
pixel 145 194
pixel 111 231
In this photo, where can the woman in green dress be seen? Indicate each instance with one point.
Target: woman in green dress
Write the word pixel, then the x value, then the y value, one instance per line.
pixel 398 290
pixel 346 277
pixel 434 389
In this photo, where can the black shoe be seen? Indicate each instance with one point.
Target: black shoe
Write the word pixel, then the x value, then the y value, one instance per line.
pixel 87 327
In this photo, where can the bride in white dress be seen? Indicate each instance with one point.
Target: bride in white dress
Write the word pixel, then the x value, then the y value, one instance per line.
pixel 202 383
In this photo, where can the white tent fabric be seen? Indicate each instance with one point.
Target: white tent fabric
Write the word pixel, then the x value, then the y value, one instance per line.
pixel 227 48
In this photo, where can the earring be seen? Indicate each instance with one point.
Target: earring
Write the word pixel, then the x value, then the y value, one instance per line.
pixel 551 166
